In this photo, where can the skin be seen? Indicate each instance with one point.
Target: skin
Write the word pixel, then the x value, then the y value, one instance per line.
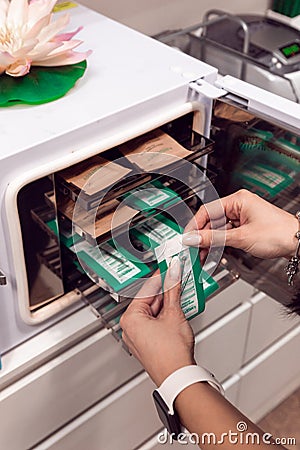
pixel 256 226
pixel 157 333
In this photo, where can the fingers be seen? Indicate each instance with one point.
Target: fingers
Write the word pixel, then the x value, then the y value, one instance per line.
pixel 156 305
pixel 199 221
pixel 146 300
pixel 217 211
pixel 150 289
pixel 209 227
pixel 172 286
pixel 204 238
pixel 213 238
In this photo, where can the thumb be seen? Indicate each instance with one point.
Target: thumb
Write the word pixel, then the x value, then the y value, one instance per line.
pixel 214 238
pixel 172 285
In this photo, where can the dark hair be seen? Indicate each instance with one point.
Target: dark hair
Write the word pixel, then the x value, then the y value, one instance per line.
pixel 294 305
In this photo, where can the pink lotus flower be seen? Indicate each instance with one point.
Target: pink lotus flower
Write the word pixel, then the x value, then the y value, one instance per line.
pixel 29 37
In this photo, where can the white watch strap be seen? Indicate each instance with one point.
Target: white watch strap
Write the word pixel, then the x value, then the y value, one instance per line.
pixel 181 379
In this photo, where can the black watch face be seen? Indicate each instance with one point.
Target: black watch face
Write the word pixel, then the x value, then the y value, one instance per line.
pixel 171 422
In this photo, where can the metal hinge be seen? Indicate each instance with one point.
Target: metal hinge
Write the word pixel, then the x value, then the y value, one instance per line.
pixel 3 280
pixel 209 90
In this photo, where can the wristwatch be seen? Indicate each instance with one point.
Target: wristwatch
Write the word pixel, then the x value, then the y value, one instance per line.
pixel 165 395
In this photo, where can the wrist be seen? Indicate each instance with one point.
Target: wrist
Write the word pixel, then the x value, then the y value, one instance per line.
pixel 293 265
pixel 196 389
pixel 292 240
pixel 166 370
pixel 173 389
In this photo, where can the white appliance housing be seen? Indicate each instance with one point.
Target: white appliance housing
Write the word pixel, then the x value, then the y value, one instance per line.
pixel 60 359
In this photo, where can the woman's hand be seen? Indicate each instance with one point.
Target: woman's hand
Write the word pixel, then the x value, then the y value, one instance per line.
pixel 155 329
pixel 157 333
pixel 253 225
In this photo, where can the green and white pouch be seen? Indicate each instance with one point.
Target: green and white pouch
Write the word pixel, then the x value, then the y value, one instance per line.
pixel 116 269
pixel 165 238
pixel 192 295
pixel 150 196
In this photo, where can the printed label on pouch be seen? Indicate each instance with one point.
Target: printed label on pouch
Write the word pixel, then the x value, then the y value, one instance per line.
pixel 151 197
pixel 111 260
pixel 157 231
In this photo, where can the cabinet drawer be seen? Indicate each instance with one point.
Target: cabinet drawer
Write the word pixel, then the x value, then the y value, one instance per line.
pixel 221 346
pixel 231 387
pixel 59 390
pixel 122 410
pixel 268 323
pixel 270 377
pixel 121 421
pixel 220 304
pixel 130 411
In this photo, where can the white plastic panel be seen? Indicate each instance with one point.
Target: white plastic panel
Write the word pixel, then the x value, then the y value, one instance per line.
pixel 52 395
pixel 259 100
pixel 122 421
pixel 222 303
pixel 231 388
pixel 221 346
pixel 123 408
pixel 270 81
pixel 266 311
pixel 271 377
pixel 25 357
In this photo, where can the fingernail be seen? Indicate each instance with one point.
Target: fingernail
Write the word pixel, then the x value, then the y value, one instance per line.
pixel 192 238
pixel 175 269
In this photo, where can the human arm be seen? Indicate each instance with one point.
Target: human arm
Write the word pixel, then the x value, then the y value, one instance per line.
pixel 157 333
pixel 253 225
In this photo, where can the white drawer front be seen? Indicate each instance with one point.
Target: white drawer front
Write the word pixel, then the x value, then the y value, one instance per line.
pixel 222 303
pixel 268 323
pixel 131 411
pixel 47 398
pixel 221 346
pixel 231 388
pixel 270 377
pixel 122 421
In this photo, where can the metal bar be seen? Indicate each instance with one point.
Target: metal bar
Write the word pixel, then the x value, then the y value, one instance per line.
pixel 234 18
pixel 191 28
pixel 225 15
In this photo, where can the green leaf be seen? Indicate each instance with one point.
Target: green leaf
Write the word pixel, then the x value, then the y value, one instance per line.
pixel 40 85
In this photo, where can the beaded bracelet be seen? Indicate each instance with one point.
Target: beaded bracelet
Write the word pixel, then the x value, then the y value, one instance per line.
pixel 292 267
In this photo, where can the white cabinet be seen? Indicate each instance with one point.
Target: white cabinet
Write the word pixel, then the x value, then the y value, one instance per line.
pixel 47 398
pixel 270 377
pixel 121 421
pixel 90 410
pixel 127 417
pixel 269 321
pixel 221 346
pixel 220 304
pixel 231 388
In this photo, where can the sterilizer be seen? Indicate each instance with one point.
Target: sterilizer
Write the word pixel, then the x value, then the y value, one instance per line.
pixel 65 379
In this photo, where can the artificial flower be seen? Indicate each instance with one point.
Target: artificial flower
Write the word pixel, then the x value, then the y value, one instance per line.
pixel 30 37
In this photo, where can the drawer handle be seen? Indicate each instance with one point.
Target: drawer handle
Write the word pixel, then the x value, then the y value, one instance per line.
pixel 3 280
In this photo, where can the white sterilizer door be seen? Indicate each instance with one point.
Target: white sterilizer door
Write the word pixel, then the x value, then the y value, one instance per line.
pixel 256 138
